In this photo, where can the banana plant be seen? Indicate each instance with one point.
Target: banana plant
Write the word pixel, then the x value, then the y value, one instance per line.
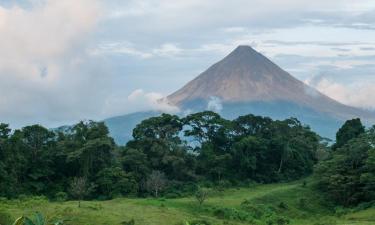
pixel 38 220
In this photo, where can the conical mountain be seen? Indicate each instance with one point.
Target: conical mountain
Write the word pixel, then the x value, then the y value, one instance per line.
pixel 247 82
pixel 246 76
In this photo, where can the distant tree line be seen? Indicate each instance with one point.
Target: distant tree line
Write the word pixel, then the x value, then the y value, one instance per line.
pixel 173 156
pixel 168 155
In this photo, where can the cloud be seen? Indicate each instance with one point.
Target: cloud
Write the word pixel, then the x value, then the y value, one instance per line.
pixel 214 104
pixel 62 61
pixel 43 64
pixel 168 50
pixel 359 94
pixel 123 47
pixel 169 15
pixel 151 101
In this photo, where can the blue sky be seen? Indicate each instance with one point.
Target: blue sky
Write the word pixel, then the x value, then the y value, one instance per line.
pixel 63 61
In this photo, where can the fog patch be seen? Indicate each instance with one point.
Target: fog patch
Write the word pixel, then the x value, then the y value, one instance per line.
pixel 214 104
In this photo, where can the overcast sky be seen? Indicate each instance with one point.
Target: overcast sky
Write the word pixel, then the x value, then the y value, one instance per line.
pixel 63 61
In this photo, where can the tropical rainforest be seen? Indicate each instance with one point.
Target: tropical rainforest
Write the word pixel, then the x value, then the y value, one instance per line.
pixel 202 157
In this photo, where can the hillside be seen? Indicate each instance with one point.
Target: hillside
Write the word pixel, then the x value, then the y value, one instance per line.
pixel 256 203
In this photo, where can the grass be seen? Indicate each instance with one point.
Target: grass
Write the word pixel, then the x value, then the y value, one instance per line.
pixel 253 205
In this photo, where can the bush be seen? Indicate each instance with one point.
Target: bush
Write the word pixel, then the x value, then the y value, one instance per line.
pixel 283 205
pixel 199 222
pixel 364 206
pixel 224 184
pixel 172 195
pixel 278 221
pixel 61 196
pixel 256 211
pixel 231 214
pixel 340 211
pixel 201 195
pixel 130 222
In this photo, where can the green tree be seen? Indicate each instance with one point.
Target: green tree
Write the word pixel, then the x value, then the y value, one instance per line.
pixel 348 176
pixel 201 195
pixel 351 129
pixel 80 188
pixel 156 182
pixel 114 182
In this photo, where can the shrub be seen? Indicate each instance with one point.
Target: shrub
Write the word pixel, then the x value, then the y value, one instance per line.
pixel 61 196
pixel 172 195
pixel 283 205
pixel 231 214
pixel 201 195
pixel 130 222
pixel 278 221
pixel 198 222
pixel 255 210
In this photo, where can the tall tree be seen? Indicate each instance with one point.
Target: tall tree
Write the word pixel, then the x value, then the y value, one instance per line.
pixel 348 176
pixel 351 129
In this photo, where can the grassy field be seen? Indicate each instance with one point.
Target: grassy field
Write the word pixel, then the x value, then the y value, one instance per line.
pixel 259 204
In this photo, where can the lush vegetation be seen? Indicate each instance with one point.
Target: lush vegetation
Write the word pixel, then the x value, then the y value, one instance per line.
pixel 256 204
pixel 200 169
pixel 168 156
pixel 348 175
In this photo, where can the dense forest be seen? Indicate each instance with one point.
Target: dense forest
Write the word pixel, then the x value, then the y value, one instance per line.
pixel 171 156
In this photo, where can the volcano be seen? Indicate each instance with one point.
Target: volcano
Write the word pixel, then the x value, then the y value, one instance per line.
pixel 246 76
pixel 247 82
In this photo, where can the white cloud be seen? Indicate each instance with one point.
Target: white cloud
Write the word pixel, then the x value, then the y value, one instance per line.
pixel 214 104
pixel 123 47
pixel 151 101
pixel 56 61
pixel 359 94
pixel 168 50
pixel 46 32
pixel 43 60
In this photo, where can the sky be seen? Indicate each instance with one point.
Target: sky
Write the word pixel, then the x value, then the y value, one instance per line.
pixel 65 61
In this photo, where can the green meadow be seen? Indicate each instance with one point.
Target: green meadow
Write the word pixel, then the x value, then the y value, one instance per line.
pixel 286 203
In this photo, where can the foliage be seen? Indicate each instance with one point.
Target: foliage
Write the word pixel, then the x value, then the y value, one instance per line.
pixel 38 219
pixel 351 129
pixel 199 148
pixel 348 177
pixel 156 183
pixel 260 206
pixel 79 189
pixel 201 195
